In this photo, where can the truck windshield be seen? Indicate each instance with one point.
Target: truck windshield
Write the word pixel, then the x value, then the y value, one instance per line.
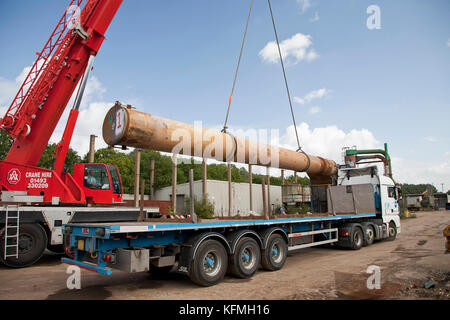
pixel 96 177
pixel 392 193
pixel 115 179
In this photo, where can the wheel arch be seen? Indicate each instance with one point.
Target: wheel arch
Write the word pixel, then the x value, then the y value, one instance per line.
pixel 274 230
pixel 236 236
pixel 208 236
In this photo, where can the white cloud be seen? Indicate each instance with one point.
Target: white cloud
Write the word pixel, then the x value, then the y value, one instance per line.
pixel 448 43
pixel 8 89
pixel 328 141
pixel 316 94
pixel 304 5
pixel 315 17
pixel 431 139
pixel 90 120
pixel 412 171
pixel 294 50
pixel 315 110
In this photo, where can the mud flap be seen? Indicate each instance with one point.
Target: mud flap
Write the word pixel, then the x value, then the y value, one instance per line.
pixel 189 248
pixel 184 260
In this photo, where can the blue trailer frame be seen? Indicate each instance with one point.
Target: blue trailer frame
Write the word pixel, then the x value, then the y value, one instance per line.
pixel 93 243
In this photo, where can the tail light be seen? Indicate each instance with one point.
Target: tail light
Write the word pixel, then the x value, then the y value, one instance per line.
pixel 107 257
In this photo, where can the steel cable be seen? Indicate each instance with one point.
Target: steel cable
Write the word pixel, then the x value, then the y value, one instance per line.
pixel 287 86
pixel 237 69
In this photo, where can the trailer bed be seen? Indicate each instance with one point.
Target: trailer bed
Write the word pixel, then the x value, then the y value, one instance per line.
pixel 135 246
pixel 137 227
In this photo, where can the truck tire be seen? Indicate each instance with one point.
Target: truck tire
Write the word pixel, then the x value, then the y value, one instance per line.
pixel 370 235
pixel 32 244
pixel 246 259
pixel 58 248
pixel 209 264
pixel 357 238
pixel 392 231
pixel 275 254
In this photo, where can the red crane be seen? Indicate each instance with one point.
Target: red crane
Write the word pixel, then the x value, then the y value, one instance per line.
pixel 62 65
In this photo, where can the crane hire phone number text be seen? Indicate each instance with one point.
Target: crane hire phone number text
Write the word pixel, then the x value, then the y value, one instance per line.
pixel 38 181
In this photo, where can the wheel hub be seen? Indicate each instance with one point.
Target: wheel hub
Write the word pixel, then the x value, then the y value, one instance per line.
pixel 25 243
pixel 277 254
pixel 391 232
pixel 248 259
pixel 274 251
pixel 211 264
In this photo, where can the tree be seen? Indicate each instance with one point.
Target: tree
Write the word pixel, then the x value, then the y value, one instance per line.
pixel 417 188
pixel 163 169
pixel 47 159
pixel 5 144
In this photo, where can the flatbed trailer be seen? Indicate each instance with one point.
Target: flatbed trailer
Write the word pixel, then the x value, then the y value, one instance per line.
pixel 26 231
pixel 206 250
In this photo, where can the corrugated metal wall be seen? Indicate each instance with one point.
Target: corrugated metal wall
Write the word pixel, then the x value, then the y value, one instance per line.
pixel 218 195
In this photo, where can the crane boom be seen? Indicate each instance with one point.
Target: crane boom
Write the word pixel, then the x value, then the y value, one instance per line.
pixel 38 106
pixel 45 93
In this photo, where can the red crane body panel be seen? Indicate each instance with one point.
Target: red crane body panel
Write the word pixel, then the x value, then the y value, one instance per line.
pixel 27 150
pixel 32 122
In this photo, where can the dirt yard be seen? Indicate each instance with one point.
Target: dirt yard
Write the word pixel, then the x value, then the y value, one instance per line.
pixel 407 264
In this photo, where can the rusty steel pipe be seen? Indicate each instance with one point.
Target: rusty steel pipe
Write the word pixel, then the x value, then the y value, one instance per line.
pixel 127 127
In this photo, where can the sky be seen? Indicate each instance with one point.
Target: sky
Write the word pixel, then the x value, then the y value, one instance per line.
pixel 350 84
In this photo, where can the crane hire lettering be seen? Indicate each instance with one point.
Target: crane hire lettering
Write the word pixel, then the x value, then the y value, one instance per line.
pixel 38 180
pixel 38 174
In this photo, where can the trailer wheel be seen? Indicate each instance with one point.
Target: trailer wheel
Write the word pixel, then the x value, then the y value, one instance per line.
pixel 275 254
pixel 392 231
pixel 246 259
pixel 357 238
pixel 370 235
pixel 32 243
pixel 210 263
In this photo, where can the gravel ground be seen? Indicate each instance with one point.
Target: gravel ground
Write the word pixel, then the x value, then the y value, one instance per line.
pixel 416 257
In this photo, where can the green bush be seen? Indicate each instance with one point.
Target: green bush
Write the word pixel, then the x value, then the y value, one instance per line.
pixel 203 208
pixel 301 209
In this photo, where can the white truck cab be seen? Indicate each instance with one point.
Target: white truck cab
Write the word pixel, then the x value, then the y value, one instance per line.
pixel 385 193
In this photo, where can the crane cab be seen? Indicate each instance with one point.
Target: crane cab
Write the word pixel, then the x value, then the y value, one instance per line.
pixel 100 182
